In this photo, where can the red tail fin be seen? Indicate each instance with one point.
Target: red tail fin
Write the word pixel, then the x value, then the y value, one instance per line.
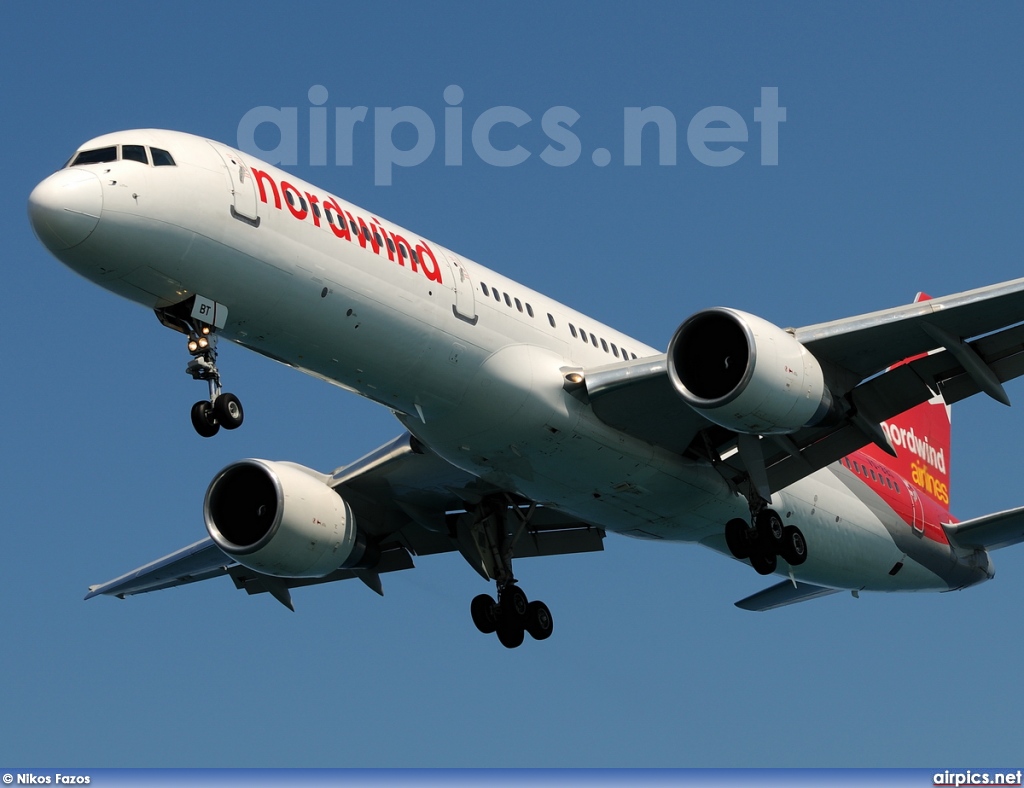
pixel 921 438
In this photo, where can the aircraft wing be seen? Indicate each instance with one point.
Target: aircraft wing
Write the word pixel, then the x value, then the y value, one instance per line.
pixel 967 343
pixel 781 594
pixel 405 498
pixel 991 532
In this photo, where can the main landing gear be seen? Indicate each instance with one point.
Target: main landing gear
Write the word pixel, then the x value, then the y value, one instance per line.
pixel 487 542
pixel 511 617
pixel 765 541
pixel 221 409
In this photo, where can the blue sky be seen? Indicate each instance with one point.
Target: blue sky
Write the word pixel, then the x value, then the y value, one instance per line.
pixel 900 169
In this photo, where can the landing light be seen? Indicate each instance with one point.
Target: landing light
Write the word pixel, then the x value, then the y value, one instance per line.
pixel 574 377
pixel 193 346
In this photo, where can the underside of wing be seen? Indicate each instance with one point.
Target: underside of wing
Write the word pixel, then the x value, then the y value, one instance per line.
pixel 407 502
pixel 199 561
pixel 958 346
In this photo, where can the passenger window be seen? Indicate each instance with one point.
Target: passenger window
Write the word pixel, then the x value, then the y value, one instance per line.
pixel 497 296
pixel 316 210
pixel 529 310
pixel 604 345
pixel 391 245
pixel 551 320
pixel 583 336
pixel 572 329
pixel 134 153
pixel 508 301
pixel 161 158
pixel 96 156
pixel 519 305
pixel 484 288
pixel 593 339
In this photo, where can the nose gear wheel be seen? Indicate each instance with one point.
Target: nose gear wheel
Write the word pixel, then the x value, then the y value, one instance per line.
pixel 221 409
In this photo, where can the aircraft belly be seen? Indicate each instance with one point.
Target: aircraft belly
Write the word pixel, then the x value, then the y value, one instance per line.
pixel 848 544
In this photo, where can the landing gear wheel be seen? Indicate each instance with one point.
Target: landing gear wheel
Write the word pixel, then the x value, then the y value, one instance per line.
pixel 793 549
pixel 511 633
pixel 203 419
pixel 770 531
pixel 538 621
pixel 764 563
pixel 513 605
pixel 228 411
pixel 737 539
pixel 483 608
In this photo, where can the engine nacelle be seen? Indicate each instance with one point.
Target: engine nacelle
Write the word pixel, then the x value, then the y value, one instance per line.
pixel 746 374
pixel 281 519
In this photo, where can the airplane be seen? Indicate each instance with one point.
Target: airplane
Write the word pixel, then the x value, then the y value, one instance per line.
pixel 818 454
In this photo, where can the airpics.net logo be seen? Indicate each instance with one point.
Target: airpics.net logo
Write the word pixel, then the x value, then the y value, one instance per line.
pixel 716 136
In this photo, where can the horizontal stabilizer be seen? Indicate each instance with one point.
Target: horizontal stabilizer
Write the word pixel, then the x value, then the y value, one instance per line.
pixel 782 594
pixel 992 531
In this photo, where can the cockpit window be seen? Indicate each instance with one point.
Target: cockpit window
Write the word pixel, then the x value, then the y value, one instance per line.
pixel 134 153
pixel 161 158
pixel 96 156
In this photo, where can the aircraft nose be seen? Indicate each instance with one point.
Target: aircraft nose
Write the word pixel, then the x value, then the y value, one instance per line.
pixel 65 208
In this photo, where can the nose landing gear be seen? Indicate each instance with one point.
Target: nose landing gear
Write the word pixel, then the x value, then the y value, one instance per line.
pixel 222 409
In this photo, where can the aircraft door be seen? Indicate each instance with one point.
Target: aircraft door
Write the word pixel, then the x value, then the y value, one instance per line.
pixel 243 186
pixel 915 500
pixel 465 300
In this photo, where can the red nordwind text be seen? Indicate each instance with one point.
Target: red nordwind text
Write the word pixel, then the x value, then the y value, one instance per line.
pixel 344 224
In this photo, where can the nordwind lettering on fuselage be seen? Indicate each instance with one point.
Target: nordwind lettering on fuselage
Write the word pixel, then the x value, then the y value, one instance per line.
pixel 344 224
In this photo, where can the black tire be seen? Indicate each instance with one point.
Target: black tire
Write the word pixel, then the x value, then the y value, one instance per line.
pixel 228 411
pixel 483 610
pixel 203 420
pixel 770 531
pixel 764 563
pixel 794 546
pixel 538 621
pixel 511 633
pixel 514 604
pixel 737 538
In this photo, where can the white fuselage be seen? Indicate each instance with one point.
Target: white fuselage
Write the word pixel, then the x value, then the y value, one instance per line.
pixel 471 362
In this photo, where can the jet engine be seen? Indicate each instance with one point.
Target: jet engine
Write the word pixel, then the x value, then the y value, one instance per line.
pixel 282 519
pixel 746 374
